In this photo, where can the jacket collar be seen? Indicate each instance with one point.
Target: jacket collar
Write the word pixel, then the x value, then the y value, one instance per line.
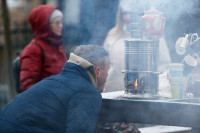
pixel 85 65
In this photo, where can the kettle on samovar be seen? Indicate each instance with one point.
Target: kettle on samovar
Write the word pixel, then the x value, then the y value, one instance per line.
pixel 153 22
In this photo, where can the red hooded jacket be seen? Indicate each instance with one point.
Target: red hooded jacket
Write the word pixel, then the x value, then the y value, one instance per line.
pixel 33 69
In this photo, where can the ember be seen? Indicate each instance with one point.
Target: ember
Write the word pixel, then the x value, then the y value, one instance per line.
pixel 116 127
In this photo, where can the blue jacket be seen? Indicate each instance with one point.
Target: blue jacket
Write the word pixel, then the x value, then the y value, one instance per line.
pixel 67 102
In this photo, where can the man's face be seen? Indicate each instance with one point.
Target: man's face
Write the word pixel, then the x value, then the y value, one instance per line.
pixel 103 74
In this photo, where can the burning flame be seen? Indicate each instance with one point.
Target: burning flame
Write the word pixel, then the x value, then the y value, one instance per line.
pixel 136 84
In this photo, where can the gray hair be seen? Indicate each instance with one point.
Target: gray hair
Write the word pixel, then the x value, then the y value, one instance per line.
pixel 93 53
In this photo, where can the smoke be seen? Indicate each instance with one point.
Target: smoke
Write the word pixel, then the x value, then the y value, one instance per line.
pixel 96 18
pixel 181 18
pixel 173 10
pixel 178 13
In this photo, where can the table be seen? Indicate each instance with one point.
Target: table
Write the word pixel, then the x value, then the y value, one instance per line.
pixel 171 112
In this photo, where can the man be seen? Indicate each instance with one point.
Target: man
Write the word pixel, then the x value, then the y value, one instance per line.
pixel 67 102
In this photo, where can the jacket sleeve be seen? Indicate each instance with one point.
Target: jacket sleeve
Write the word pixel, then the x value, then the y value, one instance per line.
pixel 83 112
pixel 31 66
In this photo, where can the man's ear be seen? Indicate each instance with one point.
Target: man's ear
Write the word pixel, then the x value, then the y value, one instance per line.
pixel 97 70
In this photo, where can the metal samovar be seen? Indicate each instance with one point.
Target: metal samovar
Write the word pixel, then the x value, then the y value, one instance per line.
pixel 142 53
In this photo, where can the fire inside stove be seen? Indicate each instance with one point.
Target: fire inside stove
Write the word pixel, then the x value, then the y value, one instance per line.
pixel 133 86
pixel 141 83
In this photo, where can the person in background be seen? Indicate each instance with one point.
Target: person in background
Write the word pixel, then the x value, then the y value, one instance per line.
pixel 68 102
pixel 44 55
pixel 114 44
